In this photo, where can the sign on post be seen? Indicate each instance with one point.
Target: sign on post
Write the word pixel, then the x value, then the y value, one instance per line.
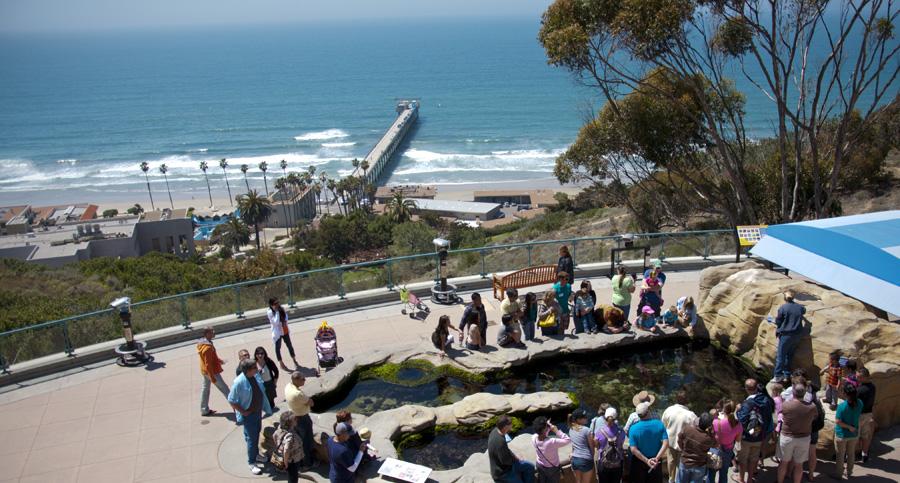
pixel 749 235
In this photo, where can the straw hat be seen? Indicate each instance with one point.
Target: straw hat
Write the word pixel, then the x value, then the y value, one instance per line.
pixel 643 396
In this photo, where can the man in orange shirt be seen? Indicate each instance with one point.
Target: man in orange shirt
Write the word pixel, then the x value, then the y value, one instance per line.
pixel 210 368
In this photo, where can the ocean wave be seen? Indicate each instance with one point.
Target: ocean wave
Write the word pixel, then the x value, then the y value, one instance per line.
pixel 201 150
pixel 322 135
pixel 66 161
pixel 423 156
pixel 453 169
pixel 338 145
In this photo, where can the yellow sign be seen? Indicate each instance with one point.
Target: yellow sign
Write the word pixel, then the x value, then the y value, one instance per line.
pixel 749 235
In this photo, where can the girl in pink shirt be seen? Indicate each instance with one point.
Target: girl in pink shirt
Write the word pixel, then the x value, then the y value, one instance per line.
pixel 727 430
pixel 547 449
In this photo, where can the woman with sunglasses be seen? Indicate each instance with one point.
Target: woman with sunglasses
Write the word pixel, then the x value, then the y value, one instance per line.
pixel 269 373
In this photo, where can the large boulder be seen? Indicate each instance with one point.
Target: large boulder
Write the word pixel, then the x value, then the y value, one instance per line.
pixel 711 276
pixel 735 313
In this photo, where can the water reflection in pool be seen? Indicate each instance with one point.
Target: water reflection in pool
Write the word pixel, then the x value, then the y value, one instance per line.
pixel 705 373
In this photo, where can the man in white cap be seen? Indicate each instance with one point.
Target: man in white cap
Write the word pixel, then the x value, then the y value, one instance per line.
pixel 648 440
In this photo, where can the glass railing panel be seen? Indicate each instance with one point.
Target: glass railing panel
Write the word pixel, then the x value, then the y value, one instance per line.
pixel 32 344
pixel 211 304
pixel 419 269
pixel 369 277
pixel 155 315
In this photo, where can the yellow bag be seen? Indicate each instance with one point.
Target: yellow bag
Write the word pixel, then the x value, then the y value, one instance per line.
pixel 550 321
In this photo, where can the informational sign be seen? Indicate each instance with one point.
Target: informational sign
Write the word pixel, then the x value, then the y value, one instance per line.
pixel 403 471
pixel 749 235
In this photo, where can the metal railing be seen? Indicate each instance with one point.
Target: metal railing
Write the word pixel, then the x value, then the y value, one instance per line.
pixel 71 333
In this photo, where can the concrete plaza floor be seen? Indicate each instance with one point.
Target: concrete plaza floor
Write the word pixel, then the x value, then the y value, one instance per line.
pixel 116 424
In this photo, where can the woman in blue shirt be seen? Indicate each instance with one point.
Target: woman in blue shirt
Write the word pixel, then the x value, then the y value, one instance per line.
pixel 563 289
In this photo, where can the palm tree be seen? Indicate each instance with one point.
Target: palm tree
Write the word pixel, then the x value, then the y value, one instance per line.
pixel 244 169
pixel 364 166
pixel 317 191
pixel 264 166
pixel 203 167
pixel 135 210
pixel 331 184
pixel 400 208
pixel 233 234
pixel 145 166
pixel 224 164
pixel 165 169
pixel 254 210
pixel 283 165
pixel 281 186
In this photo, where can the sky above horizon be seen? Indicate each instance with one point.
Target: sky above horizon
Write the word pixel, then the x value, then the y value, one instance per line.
pixel 51 16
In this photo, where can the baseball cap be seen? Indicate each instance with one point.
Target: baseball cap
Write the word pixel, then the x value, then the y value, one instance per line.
pixel 657 263
pixel 611 413
pixel 642 409
pixel 648 310
pixel 342 428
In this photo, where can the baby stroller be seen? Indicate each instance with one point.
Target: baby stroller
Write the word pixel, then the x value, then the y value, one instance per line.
pixel 326 347
pixel 412 305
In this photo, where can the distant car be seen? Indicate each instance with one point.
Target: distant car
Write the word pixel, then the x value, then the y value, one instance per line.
pixel 523 207
pixel 506 205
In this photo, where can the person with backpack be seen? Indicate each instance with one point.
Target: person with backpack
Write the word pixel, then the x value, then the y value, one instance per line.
pixel 755 416
pixel 610 439
pixel 441 337
pixel 546 450
pixel 288 447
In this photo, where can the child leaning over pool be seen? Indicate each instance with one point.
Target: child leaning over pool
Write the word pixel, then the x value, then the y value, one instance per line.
pixel 670 317
pixel 647 320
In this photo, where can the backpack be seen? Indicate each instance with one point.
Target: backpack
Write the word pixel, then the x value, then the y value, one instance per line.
pixel 755 423
pixel 610 457
pixel 278 458
pixel 819 422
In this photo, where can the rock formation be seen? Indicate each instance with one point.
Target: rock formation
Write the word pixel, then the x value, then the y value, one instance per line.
pixel 737 299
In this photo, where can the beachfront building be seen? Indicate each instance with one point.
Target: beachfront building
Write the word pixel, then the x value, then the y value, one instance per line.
pixel 298 205
pixel 460 210
pixel 22 219
pixel 65 242
pixel 533 198
pixel 384 194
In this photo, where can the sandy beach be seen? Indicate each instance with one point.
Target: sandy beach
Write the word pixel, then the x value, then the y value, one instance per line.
pixel 199 199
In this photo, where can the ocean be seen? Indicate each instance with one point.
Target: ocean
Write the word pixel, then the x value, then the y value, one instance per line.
pixel 79 112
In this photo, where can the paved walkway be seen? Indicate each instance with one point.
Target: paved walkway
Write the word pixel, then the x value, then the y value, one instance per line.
pixel 143 424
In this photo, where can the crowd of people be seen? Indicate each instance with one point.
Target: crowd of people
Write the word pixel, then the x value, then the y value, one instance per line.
pixel 684 447
pixel 562 310
pixel 782 418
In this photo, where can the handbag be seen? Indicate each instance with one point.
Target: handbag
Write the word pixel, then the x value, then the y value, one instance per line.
pixel 547 473
pixel 547 322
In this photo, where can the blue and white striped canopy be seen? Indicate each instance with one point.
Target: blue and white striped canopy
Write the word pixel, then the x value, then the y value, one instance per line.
pixel 858 255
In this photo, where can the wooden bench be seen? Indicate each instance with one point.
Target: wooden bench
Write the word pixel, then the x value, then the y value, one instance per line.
pixel 527 277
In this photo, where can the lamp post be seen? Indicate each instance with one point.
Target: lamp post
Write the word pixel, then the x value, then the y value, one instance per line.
pixel 131 353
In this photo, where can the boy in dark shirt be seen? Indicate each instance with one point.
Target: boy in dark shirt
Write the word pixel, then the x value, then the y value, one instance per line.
pixel 866 394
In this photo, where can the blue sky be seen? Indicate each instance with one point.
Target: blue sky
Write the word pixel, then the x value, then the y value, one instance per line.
pixel 99 15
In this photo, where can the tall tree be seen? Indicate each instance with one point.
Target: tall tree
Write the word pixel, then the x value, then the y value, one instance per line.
pixel 244 169
pixel 203 167
pixel 224 164
pixel 164 170
pixel 145 166
pixel 400 208
pixel 255 209
pixel 621 47
pixel 264 166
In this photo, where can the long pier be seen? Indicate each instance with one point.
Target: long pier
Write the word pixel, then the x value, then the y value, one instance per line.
pixel 380 155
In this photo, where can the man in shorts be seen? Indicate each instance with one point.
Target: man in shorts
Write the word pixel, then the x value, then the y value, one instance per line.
pixel 797 420
pixel 755 415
